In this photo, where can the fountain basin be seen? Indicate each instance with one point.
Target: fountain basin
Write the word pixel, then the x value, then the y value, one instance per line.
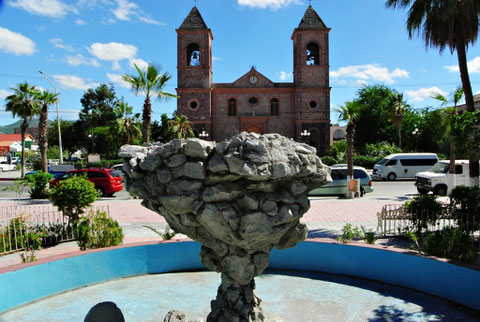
pixel 22 284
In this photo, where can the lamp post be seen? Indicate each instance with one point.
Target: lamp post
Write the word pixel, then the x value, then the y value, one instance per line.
pixel 415 134
pixel 58 120
pixel 203 135
pixel 305 134
pixel 92 136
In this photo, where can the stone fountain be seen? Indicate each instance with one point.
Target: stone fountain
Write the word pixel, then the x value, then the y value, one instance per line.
pixel 239 198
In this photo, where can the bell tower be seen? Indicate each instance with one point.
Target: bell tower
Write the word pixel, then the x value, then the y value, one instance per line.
pixel 194 70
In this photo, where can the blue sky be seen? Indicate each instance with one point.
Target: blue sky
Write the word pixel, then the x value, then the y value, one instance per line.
pixel 82 43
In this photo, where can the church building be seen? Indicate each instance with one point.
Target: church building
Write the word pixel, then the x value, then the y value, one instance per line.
pixel 253 103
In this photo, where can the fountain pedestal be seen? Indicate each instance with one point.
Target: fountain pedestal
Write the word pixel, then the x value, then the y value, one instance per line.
pixel 238 198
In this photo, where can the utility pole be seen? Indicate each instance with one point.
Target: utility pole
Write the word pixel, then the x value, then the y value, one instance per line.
pixel 58 119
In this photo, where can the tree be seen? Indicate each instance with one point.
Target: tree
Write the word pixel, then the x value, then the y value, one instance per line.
pixel 396 112
pixel 23 104
pixel 150 82
pixel 180 127
pixel 349 112
pixel 374 102
pixel 447 23
pixel 46 98
pixel 70 140
pixel 126 123
pixel 96 118
pixel 449 117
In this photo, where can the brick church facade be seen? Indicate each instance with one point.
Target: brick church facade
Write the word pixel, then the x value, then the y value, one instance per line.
pixel 253 102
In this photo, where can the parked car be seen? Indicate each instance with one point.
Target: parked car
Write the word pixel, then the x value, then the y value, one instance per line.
pixel 106 181
pixel 440 181
pixel 119 168
pixel 4 166
pixel 339 184
pixel 403 165
pixel 55 169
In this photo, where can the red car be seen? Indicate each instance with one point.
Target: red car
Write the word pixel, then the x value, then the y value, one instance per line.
pixel 106 181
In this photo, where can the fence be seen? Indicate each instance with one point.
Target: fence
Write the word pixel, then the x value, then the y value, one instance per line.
pixel 394 220
pixel 17 223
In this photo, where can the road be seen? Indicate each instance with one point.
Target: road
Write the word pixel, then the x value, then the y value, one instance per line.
pixel 399 190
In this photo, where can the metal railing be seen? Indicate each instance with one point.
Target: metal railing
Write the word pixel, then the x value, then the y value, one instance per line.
pixel 394 220
pixel 18 222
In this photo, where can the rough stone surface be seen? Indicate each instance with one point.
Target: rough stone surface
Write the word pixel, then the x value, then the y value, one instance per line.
pixel 239 198
pixel 175 316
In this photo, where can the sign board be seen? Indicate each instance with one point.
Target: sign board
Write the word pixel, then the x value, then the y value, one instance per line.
pixel 93 157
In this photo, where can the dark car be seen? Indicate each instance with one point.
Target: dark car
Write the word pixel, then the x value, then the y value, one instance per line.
pixel 106 181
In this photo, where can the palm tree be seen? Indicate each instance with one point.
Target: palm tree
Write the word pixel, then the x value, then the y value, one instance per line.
pixel 349 113
pixel 449 116
pixel 181 127
pixel 23 104
pixel 396 115
pixel 46 98
pixel 447 23
pixel 149 82
pixel 126 123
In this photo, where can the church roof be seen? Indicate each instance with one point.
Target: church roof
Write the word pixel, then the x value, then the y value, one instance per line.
pixel 311 20
pixel 194 20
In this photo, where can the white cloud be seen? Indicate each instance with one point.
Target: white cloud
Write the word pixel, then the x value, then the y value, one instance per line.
pixel 272 4
pixel 73 82
pixel 116 65
pixel 57 42
pixel 49 8
pixel 113 51
pixel 139 62
pixel 80 22
pixel 284 75
pixel 473 66
pixel 4 94
pixel 78 59
pixel 423 93
pixel 12 42
pixel 126 10
pixel 371 71
pixel 217 58
pixel 117 79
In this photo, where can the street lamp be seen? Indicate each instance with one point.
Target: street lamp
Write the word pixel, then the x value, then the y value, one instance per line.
pixel 58 119
pixel 305 134
pixel 203 135
pixel 415 133
pixel 92 136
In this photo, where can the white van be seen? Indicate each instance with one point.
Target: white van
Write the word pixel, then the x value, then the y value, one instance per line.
pixel 440 181
pixel 403 165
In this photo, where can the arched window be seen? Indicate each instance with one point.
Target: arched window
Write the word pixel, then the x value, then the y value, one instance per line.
pixel 193 55
pixel 232 107
pixel 312 54
pixel 274 106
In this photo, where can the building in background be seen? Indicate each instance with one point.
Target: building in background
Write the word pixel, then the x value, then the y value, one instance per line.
pixel 337 133
pixel 254 103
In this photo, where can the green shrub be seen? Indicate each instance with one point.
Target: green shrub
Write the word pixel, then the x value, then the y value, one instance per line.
pixel 365 161
pixel 97 230
pixel 73 196
pixel 38 184
pixel 465 207
pixel 348 233
pixel 424 210
pixel 105 163
pixel 328 160
pixel 450 243
pixel 167 235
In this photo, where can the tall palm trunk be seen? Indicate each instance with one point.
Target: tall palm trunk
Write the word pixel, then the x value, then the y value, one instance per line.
pixel 23 129
pixel 467 90
pixel 350 138
pixel 399 129
pixel 42 138
pixel 147 117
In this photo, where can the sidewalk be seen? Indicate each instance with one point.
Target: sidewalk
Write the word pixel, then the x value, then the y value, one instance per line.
pixel 10 175
pixel 324 219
